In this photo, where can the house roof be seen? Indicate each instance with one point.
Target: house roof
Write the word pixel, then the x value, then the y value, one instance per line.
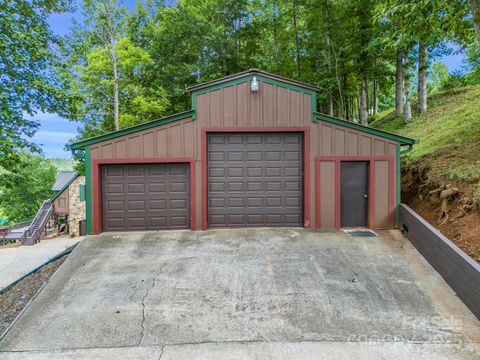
pixel 63 178
pixel 73 176
pixel 250 73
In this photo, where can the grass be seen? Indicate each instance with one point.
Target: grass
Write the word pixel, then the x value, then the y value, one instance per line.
pixel 449 132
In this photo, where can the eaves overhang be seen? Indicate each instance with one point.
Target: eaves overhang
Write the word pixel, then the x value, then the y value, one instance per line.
pixel 402 140
pixel 132 129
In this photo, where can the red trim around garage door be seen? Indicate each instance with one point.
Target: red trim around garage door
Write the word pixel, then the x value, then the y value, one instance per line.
pixel 306 163
pixel 97 188
pixel 371 186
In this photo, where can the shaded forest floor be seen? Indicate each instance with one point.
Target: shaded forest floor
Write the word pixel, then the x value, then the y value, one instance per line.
pixel 441 176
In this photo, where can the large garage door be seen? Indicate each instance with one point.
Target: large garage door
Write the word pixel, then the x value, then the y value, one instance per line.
pixel 145 197
pixel 255 179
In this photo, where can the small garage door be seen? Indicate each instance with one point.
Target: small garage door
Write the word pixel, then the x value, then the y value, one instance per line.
pixel 255 179
pixel 145 197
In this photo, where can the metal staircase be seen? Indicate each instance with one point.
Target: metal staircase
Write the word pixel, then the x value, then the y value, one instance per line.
pixel 34 231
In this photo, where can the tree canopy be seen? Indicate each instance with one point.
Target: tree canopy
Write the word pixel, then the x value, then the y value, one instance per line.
pixel 119 67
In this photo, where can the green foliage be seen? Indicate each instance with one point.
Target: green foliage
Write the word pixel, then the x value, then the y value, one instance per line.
pixel 450 131
pixel 439 76
pixel 62 164
pixel 137 103
pixel 22 192
pixel 28 81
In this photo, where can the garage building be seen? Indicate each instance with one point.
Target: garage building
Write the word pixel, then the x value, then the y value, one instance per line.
pixel 252 152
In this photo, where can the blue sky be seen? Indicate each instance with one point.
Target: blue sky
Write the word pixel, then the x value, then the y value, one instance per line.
pixel 55 131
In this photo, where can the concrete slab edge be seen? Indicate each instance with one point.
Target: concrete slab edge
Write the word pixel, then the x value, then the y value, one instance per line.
pixel 70 251
pixel 56 257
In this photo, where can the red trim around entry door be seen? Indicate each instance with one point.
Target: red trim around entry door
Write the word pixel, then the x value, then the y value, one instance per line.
pixel 97 185
pixel 280 129
pixel 371 186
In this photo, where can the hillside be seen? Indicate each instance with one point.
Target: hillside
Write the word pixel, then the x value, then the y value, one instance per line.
pixel 62 164
pixel 447 159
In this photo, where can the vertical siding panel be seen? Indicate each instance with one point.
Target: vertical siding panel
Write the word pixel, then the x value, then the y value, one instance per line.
pixel 391 149
pixel 381 194
pixel 107 151
pixel 134 147
pixel 215 109
pixel 327 194
pixel 378 147
pixel 242 105
pixel 327 140
pixel 352 144
pixel 307 109
pixel 366 146
pixel 198 192
pixel 202 107
pixel 268 105
pixel 188 130
pixel 176 141
pixel 162 145
pixel 121 149
pixel 295 108
pixel 148 144
pixel 339 142
pixel 95 152
pixel 282 107
pixel 229 106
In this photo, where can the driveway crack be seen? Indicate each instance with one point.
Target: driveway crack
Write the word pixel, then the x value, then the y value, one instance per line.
pixel 154 282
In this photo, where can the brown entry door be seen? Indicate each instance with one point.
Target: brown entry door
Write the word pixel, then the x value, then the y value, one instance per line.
pixel 255 179
pixel 145 197
pixel 353 193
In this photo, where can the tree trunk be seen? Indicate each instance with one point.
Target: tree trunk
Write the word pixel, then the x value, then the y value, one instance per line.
pixel 476 18
pixel 399 84
pixel 363 106
pixel 116 102
pixel 422 79
pixel 408 104
pixel 297 42
pixel 375 96
pixel 330 105
pixel 347 108
pixel 275 38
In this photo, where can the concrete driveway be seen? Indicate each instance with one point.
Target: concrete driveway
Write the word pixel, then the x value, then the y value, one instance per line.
pixel 245 294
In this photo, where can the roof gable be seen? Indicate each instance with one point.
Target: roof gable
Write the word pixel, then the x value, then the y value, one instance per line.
pixel 248 75
pixel 66 185
pixel 63 178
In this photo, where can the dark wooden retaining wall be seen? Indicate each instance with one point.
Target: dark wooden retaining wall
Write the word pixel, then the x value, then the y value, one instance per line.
pixel 460 271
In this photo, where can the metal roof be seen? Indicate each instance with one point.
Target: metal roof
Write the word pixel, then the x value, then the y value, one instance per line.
pixel 63 179
pixel 252 72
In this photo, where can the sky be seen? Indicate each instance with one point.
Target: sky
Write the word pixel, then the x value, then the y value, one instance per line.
pixel 55 131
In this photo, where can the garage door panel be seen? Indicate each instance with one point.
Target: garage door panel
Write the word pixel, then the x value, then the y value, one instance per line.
pixel 156 188
pixel 178 187
pixel 114 189
pixel 116 223
pixel 136 205
pixel 136 170
pixel 136 188
pixel 145 197
pixel 258 171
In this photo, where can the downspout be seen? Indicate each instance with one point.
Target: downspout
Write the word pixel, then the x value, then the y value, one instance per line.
pixel 399 184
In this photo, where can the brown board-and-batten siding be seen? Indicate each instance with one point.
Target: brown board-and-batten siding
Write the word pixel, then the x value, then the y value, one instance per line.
pixel 272 108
